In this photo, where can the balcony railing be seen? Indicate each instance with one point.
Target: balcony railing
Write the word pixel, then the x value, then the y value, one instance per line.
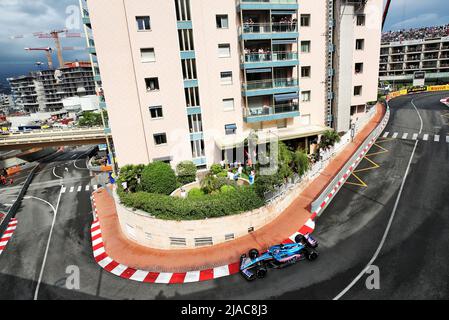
pixel 270 84
pixel 275 27
pixel 270 56
pixel 270 110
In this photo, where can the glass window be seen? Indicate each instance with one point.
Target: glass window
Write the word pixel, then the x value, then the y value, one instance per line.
pixel 305 20
pixel 226 77
pixel 224 50
pixel 305 96
pixel 358 90
pixel 147 55
pixel 195 123
pixel 359 44
pixel 359 67
pixel 228 104
pixel 230 128
pixel 160 138
pixel 143 23
pixel 361 20
pixel 222 21
pixel 156 112
pixel 305 72
pixel 305 46
pixel 152 84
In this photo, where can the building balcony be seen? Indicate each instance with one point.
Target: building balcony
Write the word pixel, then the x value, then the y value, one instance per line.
pixel 92 50
pixel 86 21
pixel 271 86
pixel 267 4
pixel 269 113
pixel 270 59
pixel 276 30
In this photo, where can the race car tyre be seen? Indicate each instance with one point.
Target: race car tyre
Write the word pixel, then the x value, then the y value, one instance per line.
pixel 253 254
pixel 311 255
pixel 300 239
pixel 261 272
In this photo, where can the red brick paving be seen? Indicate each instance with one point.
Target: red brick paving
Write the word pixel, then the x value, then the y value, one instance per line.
pixel 129 253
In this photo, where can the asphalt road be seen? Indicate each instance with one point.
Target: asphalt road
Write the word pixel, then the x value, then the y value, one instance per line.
pixel 412 260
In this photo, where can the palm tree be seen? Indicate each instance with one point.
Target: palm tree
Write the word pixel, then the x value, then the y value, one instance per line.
pixel 328 139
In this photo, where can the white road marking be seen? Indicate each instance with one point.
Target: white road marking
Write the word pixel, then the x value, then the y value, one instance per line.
pixel 79 189
pixel 63 190
pixel 390 221
pixel 54 173
pixel 415 136
pixel 71 189
pixel 447 139
pixel 87 188
pixel 404 136
pixel 95 187
pixel 395 135
pixel 385 134
pixel 436 138
pixel 55 212
pixel 425 137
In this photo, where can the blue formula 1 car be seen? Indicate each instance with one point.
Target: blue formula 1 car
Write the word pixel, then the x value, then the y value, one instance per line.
pixel 256 265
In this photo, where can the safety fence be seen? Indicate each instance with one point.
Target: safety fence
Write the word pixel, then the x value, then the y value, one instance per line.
pixel 417 89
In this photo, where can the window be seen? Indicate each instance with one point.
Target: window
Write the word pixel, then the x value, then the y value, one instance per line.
pixel 197 148
pixel 192 97
pixel 189 69
pixel 305 72
pixel 305 96
pixel 359 44
pixel 305 46
pixel 195 123
pixel 222 21
pixel 230 128
pixel 160 138
pixel 152 84
pixel 226 77
pixel 359 67
pixel 182 10
pixel 143 23
pixel 361 20
pixel 156 112
pixel 305 20
pixel 228 104
pixel 185 37
pixel 224 50
pixel 358 90
pixel 147 55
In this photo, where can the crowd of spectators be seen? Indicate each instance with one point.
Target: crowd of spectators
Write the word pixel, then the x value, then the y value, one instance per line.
pixel 416 33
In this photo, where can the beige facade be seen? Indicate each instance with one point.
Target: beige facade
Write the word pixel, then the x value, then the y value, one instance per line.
pixel 223 69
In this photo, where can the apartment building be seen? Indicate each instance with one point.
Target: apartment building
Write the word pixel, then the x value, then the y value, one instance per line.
pixel 196 77
pixel 44 90
pixel 400 60
pixel 6 103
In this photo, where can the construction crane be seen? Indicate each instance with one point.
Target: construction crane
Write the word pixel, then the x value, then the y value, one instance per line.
pixel 55 36
pixel 48 52
pixel 384 17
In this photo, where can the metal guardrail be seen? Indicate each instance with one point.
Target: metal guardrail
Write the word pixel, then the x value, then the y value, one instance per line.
pixel 374 134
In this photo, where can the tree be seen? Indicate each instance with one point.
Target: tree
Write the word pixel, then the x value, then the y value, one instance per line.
pixel 186 171
pixel 92 119
pixel 131 175
pixel 285 158
pixel 158 177
pixel 301 162
pixel 328 139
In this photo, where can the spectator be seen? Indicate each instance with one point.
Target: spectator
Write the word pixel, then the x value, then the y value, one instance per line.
pixel 416 33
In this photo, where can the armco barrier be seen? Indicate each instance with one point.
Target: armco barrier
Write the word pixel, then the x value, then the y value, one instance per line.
pixel 334 186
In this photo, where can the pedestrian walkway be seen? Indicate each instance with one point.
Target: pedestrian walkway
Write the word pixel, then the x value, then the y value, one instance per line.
pixel 128 253
pixel 79 188
pixel 416 136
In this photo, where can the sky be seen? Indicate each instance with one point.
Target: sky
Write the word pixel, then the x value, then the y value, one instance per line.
pixel 27 16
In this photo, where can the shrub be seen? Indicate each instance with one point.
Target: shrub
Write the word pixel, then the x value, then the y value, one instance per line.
pixel 195 193
pixel 173 208
pixel 211 183
pixel 158 177
pixel 226 188
pixel 266 183
pixel 186 171
pixel 328 139
pixel 301 161
pixel 216 168
pixel 131 175
pixel 222 174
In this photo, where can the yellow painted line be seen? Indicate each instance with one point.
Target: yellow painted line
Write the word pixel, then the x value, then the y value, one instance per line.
pixel 377 152
pixel 384 140
pixel 361 184
pixel 375 166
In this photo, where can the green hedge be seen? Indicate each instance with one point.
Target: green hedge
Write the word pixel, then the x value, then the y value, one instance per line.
pixel 186 171
pixel 173 208
pixel 158 177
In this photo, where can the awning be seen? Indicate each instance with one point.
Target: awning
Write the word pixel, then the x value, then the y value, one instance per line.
pixel 286 96
pixel 285 41
pixel 231 126
pixel 285 12
pixel 261 70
